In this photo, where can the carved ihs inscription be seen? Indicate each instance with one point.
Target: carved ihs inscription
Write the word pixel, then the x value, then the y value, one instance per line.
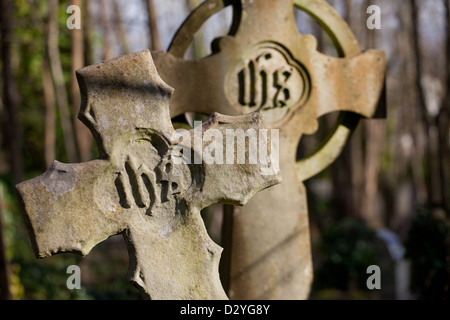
pixel 147 178
pixel 136 186
pixel 268 78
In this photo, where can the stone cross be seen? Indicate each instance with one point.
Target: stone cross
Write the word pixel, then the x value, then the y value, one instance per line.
pixel 136 188
pixel 266 65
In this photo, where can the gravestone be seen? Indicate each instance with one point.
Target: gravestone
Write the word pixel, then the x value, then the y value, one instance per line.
pixel 266 65
pixel 137 188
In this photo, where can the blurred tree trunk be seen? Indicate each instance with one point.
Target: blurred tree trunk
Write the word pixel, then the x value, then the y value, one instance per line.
pixel 413 127
pixel 155 39
pixel 50 114
pixel 58 81
pixel 87 33
pixel 10 95
pixel 418 77
pixel 344 171
pixel 444 121
pixel 374 144
pixel 432 159
pixel 106 23
pixel 5 293
pixel 357 170
pixel 372 208
pixel 82 133
pixel 356 145
pixel 198 45
pixel 342 177
pixel 405 187
pixel 121 35
pixel 348 12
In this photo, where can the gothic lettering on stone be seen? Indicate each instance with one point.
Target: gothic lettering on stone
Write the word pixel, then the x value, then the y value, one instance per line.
pixel 136 185
pixel 149 180
pixel 268 78
pixel 259 86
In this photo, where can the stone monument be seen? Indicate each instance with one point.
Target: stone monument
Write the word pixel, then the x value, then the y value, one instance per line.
pixel 137 189
pixel 266 65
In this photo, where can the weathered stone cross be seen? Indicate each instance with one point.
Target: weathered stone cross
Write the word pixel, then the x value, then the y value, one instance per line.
pixel 136 189
pixel 265 64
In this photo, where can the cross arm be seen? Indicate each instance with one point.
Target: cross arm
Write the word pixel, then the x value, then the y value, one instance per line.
pixel 122 95
pixel 62 209
pixel 348 84
pixel 240 158
pixel 341 84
